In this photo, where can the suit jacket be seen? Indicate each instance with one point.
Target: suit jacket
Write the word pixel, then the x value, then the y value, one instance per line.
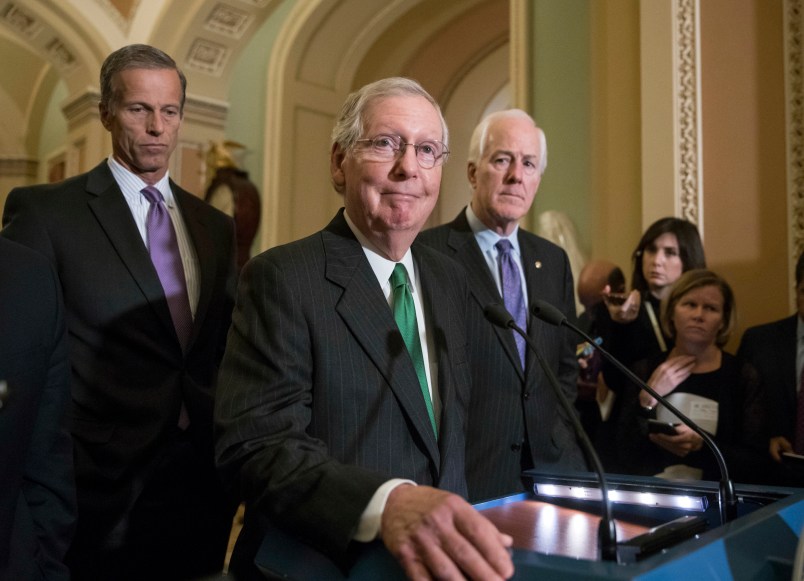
pixel 511 408
pixel 129 374
pixel 37 488
pixel 771 349
pixel 319 402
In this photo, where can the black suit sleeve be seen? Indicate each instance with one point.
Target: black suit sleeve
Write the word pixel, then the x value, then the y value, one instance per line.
pixel 37 492
pixel 263 412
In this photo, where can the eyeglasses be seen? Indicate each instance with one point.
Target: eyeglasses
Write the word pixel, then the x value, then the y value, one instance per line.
pixel 429 153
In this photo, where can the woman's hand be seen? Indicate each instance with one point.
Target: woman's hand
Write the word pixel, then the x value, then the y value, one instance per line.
pixel 667 377
pixel 683 443
pixel 622 308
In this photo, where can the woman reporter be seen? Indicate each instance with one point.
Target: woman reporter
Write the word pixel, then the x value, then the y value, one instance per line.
pixel 703 382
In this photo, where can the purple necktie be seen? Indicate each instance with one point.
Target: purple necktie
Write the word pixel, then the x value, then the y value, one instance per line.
pixel 512 292
pixel 164 251
pixel 798 446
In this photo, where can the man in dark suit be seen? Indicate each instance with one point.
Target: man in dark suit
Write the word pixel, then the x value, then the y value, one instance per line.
pixel 776 352
pixel 327 417
pixel 143 374
pixel 515 421
pixel 37 489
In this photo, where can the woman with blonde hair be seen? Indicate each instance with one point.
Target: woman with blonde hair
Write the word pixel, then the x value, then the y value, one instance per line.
pixel 704 382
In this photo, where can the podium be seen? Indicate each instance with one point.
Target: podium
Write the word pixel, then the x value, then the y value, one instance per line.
pixel 555 537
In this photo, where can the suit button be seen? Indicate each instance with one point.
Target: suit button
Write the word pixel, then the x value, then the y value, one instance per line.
pixel 526 395
pixel 516 447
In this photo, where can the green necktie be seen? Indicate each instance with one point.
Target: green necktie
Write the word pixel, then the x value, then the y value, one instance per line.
pixel 405 316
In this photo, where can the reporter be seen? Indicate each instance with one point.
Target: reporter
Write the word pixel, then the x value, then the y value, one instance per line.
pixel 702 381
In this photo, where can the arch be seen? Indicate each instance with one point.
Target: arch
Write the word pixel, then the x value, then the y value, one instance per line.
pixel 327 49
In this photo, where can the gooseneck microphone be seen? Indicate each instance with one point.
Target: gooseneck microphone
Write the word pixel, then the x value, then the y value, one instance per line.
pixel 727 497
pixel 607 532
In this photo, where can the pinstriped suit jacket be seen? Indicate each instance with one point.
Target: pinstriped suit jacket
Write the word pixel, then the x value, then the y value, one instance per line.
pixel 508 405
pixel 318 402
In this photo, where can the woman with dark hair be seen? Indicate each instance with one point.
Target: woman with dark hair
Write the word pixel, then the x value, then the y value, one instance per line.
pixel 703 382
pixel 629 325
pixel 668 248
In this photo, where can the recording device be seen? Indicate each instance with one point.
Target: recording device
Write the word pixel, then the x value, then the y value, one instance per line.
pixel 727 497
pixel 660 427
pixel 607 533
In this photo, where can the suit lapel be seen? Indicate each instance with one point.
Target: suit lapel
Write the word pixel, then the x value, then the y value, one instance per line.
pixel 112 212
pixel 481 284
pixel 364 310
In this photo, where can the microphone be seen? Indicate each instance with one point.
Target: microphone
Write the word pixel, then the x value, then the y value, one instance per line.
pixel 607 532
pixel 726 495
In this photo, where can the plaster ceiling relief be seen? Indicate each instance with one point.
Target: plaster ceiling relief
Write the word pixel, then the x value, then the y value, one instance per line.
pixel 20 21
pixel 207 57
pixel 228 21
pixel 39 36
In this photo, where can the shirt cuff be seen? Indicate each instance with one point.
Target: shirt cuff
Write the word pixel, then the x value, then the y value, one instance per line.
pixel 368 528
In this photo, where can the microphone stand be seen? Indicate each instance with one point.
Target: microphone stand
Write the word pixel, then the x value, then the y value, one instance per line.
pixel 726 495
pixel 607 531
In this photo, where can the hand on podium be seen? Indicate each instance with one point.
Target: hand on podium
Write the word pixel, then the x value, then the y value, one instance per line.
pixel 435 534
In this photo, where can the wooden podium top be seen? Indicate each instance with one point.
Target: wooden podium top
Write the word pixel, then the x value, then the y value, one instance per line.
pixel 554 530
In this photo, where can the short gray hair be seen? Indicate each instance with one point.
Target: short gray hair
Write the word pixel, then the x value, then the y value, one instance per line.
pixel 135 56
pixel 349 125
pixel 477 145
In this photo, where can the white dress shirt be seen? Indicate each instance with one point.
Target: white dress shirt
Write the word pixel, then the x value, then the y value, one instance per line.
pixel 131 186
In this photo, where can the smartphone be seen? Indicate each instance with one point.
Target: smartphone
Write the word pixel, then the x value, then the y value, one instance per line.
pixel 658 427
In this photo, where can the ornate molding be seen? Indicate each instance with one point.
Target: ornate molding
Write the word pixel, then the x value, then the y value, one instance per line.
pixel 82 107
pixel 207 57
pixel 206 111
pixel 38 35
pixel 794 95
pixel 18 167
pixel 688 99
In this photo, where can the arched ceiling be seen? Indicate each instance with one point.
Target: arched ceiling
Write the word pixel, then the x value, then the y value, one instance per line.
pixel 70 39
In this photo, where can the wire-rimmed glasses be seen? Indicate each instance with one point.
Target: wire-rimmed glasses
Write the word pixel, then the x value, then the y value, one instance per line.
pixel 429 153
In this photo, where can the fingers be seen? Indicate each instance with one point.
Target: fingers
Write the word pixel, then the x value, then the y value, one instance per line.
pixel 435 534
pixel 778 446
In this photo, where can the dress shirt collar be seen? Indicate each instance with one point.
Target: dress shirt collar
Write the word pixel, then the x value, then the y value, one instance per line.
pixel 486 237
pixel 381 266
pixel 131 185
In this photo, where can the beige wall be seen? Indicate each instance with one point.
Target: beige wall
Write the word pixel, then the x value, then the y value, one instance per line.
pixel 745 198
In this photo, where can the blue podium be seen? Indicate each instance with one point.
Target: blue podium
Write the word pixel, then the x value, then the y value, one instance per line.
pixel 555 534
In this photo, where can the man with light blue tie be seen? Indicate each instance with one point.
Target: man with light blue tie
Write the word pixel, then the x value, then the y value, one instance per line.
pixel 515 421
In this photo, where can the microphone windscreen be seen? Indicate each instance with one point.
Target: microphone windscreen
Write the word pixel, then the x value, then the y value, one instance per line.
pixel 547 312
pixel 498 315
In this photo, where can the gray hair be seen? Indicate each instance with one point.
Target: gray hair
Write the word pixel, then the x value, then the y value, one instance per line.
pixel 349 126
pixel 477 145
pixel 135 56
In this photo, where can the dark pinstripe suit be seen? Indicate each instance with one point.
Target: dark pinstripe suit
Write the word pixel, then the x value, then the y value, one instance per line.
pixel 509 407
pixel 319 402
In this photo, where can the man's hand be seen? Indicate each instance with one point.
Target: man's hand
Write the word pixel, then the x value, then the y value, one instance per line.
pixel 437 535
pixel 778 445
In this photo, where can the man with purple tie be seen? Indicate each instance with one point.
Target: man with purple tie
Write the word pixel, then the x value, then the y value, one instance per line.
pixel 147 272
pixel 515 422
